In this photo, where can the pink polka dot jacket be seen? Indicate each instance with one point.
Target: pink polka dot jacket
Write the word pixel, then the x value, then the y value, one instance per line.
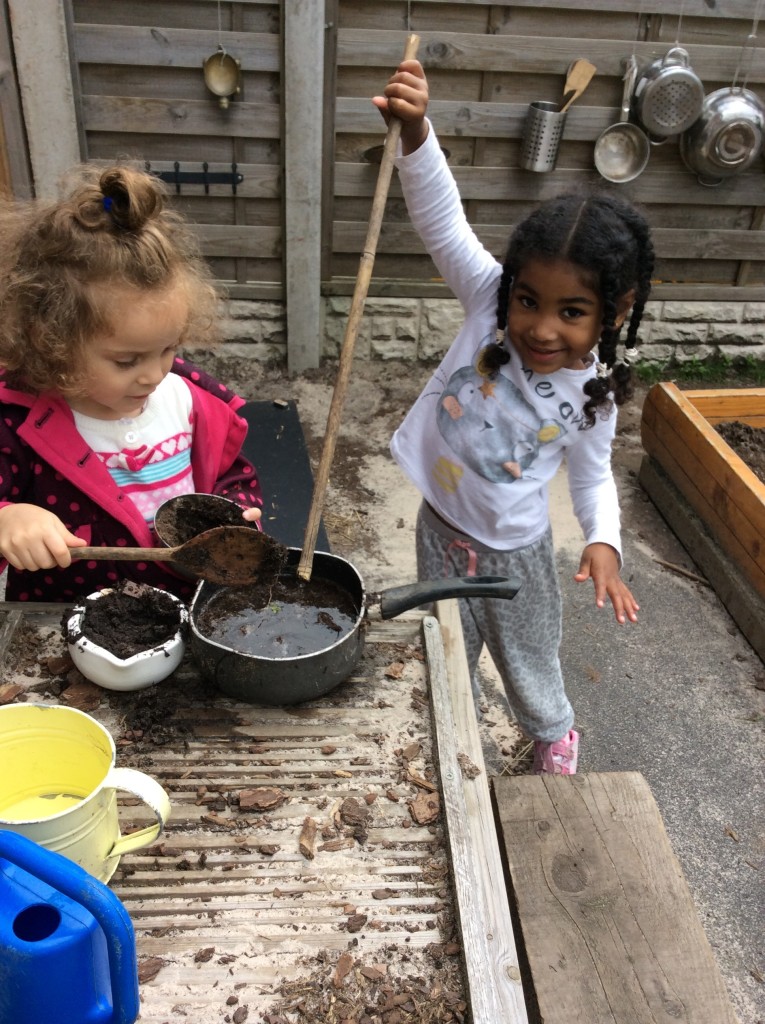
pixel 45 461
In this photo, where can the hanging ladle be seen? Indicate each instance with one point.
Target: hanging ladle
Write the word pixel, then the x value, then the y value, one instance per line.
pixel 622 149
pixel 227 555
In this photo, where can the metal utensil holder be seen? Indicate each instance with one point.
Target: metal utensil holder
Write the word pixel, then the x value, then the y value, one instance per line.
pixel 542 132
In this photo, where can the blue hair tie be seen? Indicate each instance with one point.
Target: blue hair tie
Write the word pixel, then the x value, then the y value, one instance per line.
pixel 108 203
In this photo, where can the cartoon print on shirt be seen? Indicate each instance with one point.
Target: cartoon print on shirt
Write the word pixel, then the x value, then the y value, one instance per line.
pixel 490 426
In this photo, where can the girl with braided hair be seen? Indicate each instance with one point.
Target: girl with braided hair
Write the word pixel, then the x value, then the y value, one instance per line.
pixel 101 418
pixel 534 376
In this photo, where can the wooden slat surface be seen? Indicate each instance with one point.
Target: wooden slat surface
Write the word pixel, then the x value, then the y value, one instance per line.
pixel 610 929
pixel 271 915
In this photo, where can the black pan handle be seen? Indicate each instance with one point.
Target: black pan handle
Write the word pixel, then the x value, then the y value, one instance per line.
pixel 402 599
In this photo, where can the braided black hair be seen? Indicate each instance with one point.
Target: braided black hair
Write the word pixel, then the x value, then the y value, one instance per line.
pixel 610 240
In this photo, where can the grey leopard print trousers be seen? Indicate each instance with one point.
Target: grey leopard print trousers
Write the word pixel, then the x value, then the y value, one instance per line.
pixel 522 635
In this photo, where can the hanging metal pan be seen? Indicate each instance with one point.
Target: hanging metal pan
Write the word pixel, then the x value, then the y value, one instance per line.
pixel 668 95
pixel 727 138
pixel 622 150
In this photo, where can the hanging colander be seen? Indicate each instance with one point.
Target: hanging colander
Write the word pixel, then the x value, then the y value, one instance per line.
pixel 668 95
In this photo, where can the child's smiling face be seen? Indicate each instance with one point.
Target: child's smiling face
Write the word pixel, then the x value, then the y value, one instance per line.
pixel 554 317
pixel 126 364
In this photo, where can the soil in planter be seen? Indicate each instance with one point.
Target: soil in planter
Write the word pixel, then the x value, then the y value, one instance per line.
pixel 130 619
pixel 747 442
pixel 285 618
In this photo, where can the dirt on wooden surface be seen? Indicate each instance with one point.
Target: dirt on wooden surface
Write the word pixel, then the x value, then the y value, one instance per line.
pixel 747 442
pixel 300 879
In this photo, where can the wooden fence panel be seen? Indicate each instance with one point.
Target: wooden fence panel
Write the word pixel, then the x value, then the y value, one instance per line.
pixel 143 98
pixel 485 63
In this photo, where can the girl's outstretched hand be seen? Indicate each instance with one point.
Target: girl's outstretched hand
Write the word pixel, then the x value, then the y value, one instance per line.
pixel 33 538
pixel 406 97
pixel 600 564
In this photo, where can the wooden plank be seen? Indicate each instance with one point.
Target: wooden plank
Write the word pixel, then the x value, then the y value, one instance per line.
pixel 14 139
pixel 185 117
pixel 41 55
pixel 9 624
pixel 491 961
pixel 720 8
pixel 303 112
pixel 668 242
pixel 720 405
pixel 239 240
pixel 611 932
pixel 537 54
pixel 512 184
pixel 149 46
pixel 433 288
pixel 745 606
pixel 713 504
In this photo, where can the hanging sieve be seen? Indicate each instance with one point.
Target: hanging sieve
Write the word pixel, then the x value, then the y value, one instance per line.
pixel 729 136
pixel 668 95
pixel 542 132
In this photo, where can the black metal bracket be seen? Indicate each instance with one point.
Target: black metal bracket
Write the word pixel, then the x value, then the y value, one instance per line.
pixel 204 177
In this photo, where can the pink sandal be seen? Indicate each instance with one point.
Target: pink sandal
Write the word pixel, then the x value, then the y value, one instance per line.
pixel 558 758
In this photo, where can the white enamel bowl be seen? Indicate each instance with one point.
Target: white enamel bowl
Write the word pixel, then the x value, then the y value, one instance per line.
pixel 135 673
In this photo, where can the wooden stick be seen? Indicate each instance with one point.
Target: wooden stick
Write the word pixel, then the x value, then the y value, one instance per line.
pixel 363 277
pixel 683 572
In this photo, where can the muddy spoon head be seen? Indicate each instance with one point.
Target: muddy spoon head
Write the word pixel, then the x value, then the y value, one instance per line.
pixel 231 555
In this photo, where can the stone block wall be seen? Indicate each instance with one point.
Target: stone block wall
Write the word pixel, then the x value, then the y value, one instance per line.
pixel 422 329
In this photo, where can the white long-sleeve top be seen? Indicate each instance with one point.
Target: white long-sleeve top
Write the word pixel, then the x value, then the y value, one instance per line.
pixel 482 450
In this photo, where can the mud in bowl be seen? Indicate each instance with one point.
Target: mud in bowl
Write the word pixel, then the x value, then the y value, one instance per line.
pixel 284 619
pixel 59 784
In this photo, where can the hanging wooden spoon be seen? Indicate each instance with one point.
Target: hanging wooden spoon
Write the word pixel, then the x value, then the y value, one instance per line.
pixel 228 555
pixel 578 77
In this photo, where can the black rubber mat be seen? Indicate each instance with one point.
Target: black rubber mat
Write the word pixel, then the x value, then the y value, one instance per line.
pixel 276 446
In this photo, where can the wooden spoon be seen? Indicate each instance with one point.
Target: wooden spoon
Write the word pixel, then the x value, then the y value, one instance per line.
pixel 579 76
pixel 228 555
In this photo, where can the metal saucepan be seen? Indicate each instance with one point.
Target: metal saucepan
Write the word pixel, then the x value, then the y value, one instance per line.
pixel 622 150
pixel 728 136
pixel 281 681
pixel 668 95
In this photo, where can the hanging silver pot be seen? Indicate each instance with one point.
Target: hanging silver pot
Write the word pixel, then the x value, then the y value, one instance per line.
pixel 668 95
pixel 727 138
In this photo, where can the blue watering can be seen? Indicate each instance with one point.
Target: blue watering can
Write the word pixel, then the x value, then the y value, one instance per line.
pixel 67 945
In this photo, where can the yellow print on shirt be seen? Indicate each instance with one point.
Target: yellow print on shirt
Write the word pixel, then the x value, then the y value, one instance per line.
pixel 448 474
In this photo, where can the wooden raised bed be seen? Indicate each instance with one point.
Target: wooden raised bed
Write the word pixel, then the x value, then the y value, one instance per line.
pixel 710 497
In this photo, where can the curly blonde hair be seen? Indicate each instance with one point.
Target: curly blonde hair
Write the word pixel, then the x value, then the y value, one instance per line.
pixel 60 259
